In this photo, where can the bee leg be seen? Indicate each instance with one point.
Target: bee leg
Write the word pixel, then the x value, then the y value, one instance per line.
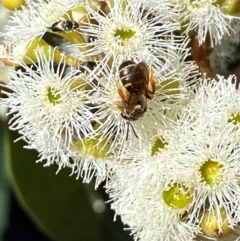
pixel 134 132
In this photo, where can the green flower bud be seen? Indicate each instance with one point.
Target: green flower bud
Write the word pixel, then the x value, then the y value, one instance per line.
pixel 214 226
pixel 230 7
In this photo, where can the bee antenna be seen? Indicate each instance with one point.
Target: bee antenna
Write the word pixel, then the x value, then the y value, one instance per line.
pixel 129 124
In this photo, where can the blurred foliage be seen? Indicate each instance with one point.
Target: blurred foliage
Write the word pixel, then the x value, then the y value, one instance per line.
pixel 4 187
pixel 59 205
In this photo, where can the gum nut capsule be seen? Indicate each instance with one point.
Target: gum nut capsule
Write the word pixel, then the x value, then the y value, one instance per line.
pixel 214 226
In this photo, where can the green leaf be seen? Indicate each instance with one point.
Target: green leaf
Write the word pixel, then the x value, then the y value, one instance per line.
pixel 4 185
pixel 59 203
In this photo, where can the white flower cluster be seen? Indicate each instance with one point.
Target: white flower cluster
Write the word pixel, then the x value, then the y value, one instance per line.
pixel 123 91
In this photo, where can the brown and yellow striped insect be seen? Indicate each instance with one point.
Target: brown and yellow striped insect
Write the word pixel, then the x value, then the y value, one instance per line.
pixel 135 85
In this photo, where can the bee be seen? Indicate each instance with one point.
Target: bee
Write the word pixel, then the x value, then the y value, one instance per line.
pixel 87 65
pixel 135 85
pixel 64 25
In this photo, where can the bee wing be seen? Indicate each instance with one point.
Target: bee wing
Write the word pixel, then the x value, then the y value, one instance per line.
pixel 148 74
pixel 57 26
pixel 143 100
pixel 143 69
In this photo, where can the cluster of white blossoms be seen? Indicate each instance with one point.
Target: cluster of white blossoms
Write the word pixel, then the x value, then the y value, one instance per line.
pixel 127 91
